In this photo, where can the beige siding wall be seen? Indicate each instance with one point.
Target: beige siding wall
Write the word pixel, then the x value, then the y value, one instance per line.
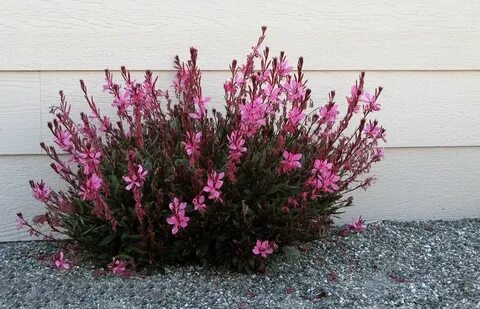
pixel 425 53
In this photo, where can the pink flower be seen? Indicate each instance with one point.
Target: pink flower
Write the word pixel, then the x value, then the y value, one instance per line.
pixel 183 77
pixel 320 166
pixel 329 113
pixel 122 102
pixel 179 220
pixel 229 86
pixel 239 80
pixel 94 182
pixel 201 101
pixel 295 90
pixel 136 179
pixel 199 203
pixel 236 144
pixel 272 92
pixel 295 116
pixel 372 104
pixel 63 140
pixel 236 150
pixel 323 177
pixel 262 248
pixel 90 189
pixel 201 111
pixel 378 153
pixel 353 99
pixel 118 267
pixel 290 162
pixel 283 68
pixel 358 225
pixel 253 116
pixel 263 76
pixel 41 191
pixel 106 124
pixel 60 262
pixel 372 130
pixel 108 82
pixel 177 205
pixel 137 95
pixel 329 182
pixel 354 91
pixel 214 183
pixel 192 144
pixel 89 159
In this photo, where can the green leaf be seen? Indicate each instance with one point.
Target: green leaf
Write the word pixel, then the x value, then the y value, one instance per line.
pixel 202 250
pixel 114 182
pixel 107 240
pixel 127 236
pixel 174 124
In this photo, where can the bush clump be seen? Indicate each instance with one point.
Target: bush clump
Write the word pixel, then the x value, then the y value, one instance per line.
pixel 172 181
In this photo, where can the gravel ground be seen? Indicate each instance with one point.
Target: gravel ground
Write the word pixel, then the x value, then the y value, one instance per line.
pixel 432 264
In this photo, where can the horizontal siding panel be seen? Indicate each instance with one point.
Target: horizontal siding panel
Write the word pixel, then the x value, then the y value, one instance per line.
pixel 331 35
pixel 412 185
pixel 422 184
pixel 16 195
pixel 20 123
pixel 420 109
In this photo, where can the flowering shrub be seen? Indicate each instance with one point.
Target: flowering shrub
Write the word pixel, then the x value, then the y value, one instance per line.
pixel 172 180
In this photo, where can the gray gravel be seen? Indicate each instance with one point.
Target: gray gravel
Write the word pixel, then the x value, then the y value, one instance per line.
pixel 392 264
